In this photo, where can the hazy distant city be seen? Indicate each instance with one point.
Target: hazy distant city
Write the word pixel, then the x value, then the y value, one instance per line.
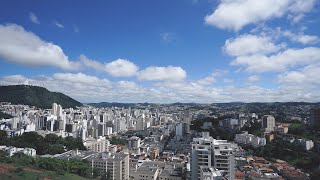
pixel 160 90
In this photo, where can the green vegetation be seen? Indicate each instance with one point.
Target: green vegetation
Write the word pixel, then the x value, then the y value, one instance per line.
pixel 296 129
pixel 5 115
pixel 31 175
pixel 299 130
pixel 215 131
pixel 58 168
pixel 293 153
pixel 51 144
pixel 35 96
pixel 253 128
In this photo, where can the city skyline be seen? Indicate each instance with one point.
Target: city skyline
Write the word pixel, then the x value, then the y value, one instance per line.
pixel 164 52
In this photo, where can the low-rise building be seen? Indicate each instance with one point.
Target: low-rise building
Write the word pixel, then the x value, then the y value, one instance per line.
pixel 13 150
pixel 250 139
pixel 97 145
pixel 117 164
pixel 207 173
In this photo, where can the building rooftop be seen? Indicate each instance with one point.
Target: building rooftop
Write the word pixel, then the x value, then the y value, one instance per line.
pixel 89 155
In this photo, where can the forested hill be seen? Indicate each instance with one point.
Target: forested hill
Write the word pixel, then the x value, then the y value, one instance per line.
pixel 35 96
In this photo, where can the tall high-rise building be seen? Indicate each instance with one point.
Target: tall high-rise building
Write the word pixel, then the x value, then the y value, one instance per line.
pixel 211 153
pixel 54 109
pixel 179 131
pixel 57 110
pixel 268 122
pixel 140 124
pixel 315 118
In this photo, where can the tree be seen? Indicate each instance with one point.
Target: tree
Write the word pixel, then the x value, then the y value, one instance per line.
pixel 51 138
pixel 297 129
pixel 55 149
pixel 3 136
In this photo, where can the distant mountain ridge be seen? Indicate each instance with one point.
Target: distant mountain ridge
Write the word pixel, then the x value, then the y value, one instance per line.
pixel 112 104
pixel 35 96
pixel 118 104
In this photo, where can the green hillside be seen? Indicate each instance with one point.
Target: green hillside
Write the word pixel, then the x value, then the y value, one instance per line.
pixel 35 96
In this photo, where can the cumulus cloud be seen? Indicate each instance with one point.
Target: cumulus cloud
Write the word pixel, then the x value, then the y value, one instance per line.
pixel 117 68
pixel 207 80
pixel 169 73
pixel 33 18
pixel 307 76
pixel 299 8
pixel 301 38
pixel 249 44
pixel 126 68
pixel 91 63
pixel 281 61
pixel 121 68
pixel 235 14
pixel 87 88
pixel 33 51
pixel 15 79
pixel 80 78
pixel 212 78
pixel 253 78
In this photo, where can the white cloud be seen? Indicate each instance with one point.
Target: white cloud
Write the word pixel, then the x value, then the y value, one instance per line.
pixel 32 50
pixel 117 68
pixel 305 77
pixel 86 88
pixel 212 78
pixel 253 78
pixel 33 18
pixel 121 68
pixel 125 68
pixel 15 79
pixel 301 6
pixel 80 78
pixel 91 63
pixel 235 14
pixel 289 58
pixel 59 25
pixel 250 44
pixel 169 73
pixel 301 38
pixel 207 80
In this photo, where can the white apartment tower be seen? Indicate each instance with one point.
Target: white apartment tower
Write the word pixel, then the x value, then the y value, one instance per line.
pixel 211 153
pixel 57 110
pixel 54 109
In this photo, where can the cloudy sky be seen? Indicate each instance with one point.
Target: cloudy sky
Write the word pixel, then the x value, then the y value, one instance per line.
pixel 164 51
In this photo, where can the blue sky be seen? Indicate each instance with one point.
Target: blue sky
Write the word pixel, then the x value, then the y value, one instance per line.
pixel 164 51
